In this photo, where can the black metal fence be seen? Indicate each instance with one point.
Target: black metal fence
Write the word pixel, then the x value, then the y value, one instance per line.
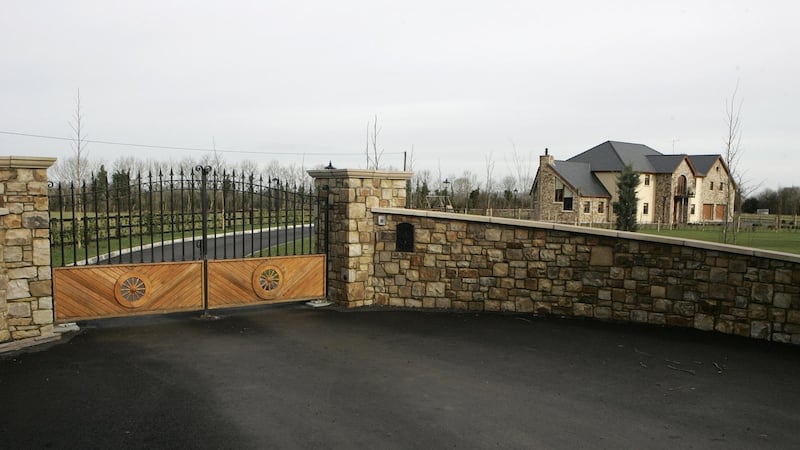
pixel 182 216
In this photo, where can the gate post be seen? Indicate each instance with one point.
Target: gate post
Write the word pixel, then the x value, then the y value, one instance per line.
pixel 352 194
pixel 26 301
pixel 204 171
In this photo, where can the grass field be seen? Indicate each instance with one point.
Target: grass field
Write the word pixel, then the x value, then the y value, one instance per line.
pixel 787 241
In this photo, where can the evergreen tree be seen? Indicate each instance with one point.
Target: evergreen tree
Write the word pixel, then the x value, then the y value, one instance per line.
pixel 626 206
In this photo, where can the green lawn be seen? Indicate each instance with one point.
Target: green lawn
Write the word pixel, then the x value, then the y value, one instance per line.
pixel 787 241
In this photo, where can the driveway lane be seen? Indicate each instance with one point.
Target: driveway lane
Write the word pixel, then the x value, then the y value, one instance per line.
pixel 289 376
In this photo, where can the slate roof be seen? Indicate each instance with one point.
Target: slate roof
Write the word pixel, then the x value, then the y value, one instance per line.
pixel 612 156
pixel 665 163
pixel 579 175
pixel 702 163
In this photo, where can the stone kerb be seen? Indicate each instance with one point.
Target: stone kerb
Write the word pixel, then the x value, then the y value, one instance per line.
pixel 26 302
pixel 352 196
pixel 476 263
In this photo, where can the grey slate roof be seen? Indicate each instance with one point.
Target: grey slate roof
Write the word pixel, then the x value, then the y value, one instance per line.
pixel 665 163
pixel 702 163
pixel 612 156
pixel 580 176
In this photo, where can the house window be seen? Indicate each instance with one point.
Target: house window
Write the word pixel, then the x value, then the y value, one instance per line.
pixel 647 180
pixel 587 207
pixel 712 185
pixel 601 207
pixel 645 208
pixel 721 186
pixel 692 209
pixel 568 202
pixel 559 193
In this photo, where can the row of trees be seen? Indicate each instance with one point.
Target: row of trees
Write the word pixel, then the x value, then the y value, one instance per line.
pixel 778 201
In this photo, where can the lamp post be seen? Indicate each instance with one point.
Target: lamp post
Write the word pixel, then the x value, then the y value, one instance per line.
pixel 446 186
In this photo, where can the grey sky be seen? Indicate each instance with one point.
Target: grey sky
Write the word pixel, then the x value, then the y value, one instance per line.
pixel 455 79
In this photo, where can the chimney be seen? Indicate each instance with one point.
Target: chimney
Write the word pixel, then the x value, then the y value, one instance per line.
pixel 546 159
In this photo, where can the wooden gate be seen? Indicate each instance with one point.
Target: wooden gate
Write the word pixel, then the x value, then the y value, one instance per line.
pixel 182 243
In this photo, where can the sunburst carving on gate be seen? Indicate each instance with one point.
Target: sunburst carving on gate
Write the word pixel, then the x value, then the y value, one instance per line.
pixel 132 290
pixel 268 280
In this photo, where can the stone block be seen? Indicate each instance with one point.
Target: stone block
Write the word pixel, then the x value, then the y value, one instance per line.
pixel 704 322
pixel 686 309
pixel 658 291
pixel 718 275
pixel 760 329
pixel 782 300
pixel 18 289
pixel 724 326
pixel 762 292
pixel 23 272
pixel 42 317
pixel 524 305
pixel 36 219
pixel 756 311
pixel 582 310
pixel 19 236
pixel 25 334
pixel 19 309
pixel 40 288
pixel 601 256
pixel 500 270
pixel 435 289
pixel 493 235
pixel 639 273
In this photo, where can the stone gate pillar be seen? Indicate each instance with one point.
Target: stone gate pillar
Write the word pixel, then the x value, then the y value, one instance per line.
pixel 26 302
pixel 351 196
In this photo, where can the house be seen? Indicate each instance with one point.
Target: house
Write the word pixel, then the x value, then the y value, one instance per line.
pixel 673 189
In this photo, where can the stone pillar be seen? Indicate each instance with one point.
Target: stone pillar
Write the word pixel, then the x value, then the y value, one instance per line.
pixel 26 301
pixel 352 194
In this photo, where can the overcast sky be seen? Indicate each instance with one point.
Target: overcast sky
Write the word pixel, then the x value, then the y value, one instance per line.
pixel 459 80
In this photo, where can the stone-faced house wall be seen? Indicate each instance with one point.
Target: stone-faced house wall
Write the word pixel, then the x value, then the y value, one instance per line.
pixel 546 208
pixel 715 190
pixel 26 302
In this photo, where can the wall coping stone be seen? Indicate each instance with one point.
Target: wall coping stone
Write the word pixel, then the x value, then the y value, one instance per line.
pixel 359 173
pixel 747 251
pixel 26 162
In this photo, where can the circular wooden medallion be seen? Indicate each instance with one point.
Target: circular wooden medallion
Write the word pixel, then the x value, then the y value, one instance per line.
pixel 268 280
pixel 132 290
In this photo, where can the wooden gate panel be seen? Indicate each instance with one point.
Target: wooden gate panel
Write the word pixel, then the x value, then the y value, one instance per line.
pixel 238 282
pixel 90 292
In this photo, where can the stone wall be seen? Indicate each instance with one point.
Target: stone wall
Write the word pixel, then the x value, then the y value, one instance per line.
pixel 483 264
pixel 26 302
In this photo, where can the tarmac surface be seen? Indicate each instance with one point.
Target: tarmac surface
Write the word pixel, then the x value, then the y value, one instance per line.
pixel 294 377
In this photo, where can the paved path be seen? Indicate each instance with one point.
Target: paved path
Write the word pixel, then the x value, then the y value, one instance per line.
pixel 293 377
pixel 225 246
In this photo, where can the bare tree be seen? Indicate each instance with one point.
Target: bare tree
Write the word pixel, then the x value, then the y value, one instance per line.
pixel 76 167
pixel 522 168
pixel 371 150
pixel 489 179
pixel 463 187
pixel 733 153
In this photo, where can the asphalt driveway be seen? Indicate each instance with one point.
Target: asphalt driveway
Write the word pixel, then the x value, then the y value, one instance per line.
pixel 294 377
